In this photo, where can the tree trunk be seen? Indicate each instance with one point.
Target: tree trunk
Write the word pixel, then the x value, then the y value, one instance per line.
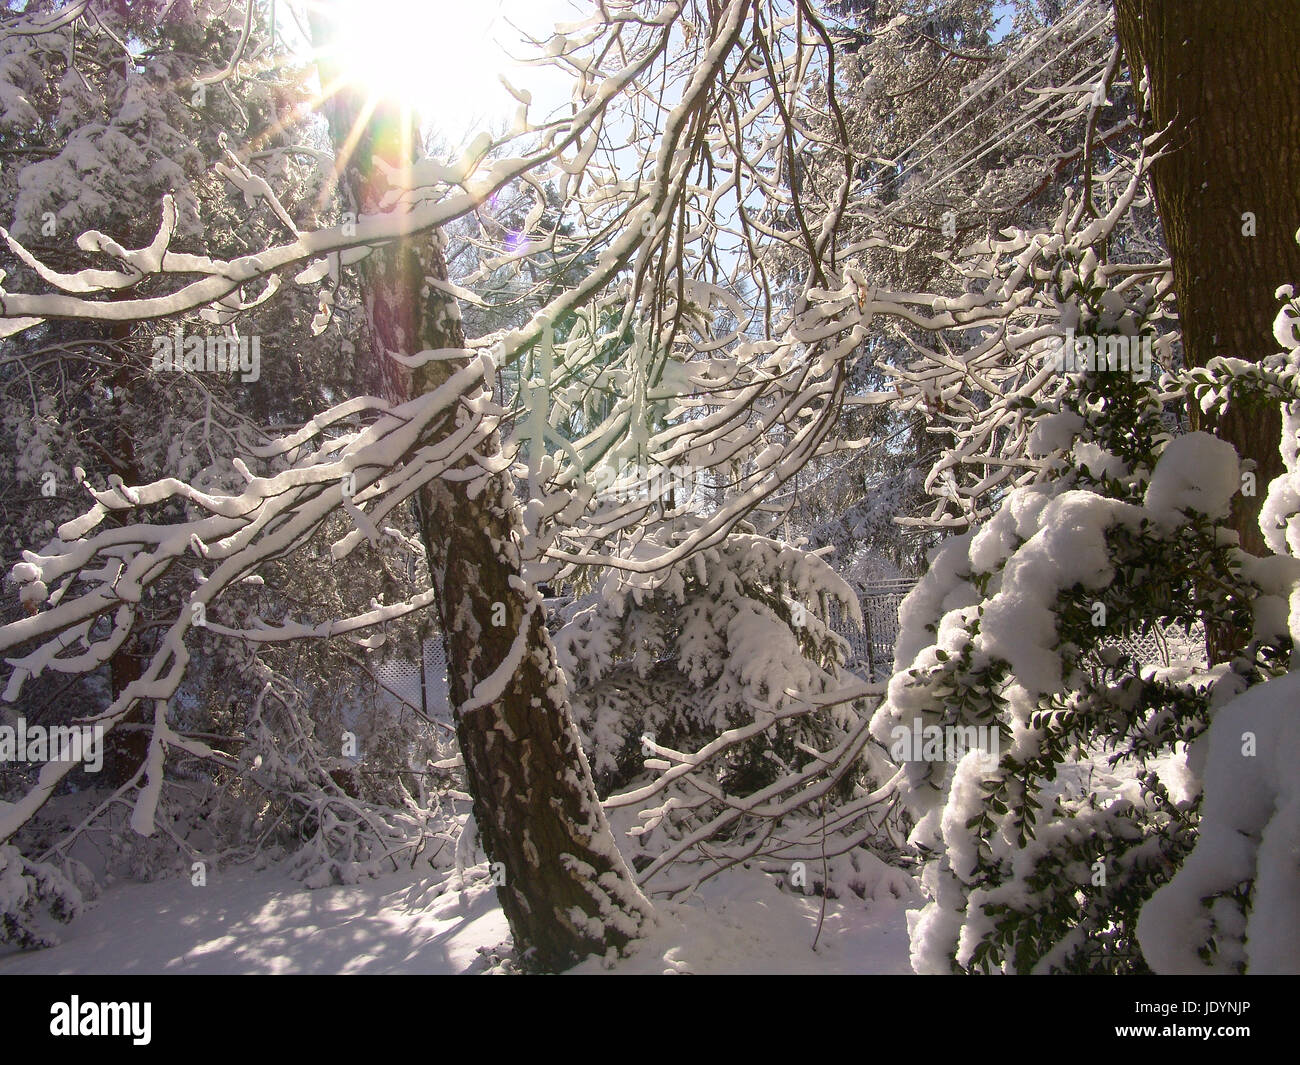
pixel 566 890
pixel 1224 78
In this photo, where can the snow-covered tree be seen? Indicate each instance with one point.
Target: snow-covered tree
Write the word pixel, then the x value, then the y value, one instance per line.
pixel 110 129
pixel 965 122
pixel 1218 90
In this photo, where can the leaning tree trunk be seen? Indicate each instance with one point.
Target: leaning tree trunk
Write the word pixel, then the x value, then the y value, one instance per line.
pixel 1224 78
pixel 566 890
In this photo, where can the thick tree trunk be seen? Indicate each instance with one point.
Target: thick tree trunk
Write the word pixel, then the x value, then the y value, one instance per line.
pixel 566 890
pixel 1224 77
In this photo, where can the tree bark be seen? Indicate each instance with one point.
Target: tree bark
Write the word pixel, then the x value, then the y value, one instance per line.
pixel 567 892
pixel 1224 79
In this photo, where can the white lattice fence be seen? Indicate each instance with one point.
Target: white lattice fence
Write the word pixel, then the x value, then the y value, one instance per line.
pixel 401 680
pixel 1166 644
pixel 872 646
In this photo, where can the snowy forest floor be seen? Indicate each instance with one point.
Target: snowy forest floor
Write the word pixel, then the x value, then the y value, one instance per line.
pixel 740 922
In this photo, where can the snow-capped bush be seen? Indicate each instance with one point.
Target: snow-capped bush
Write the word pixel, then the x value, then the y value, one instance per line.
pixel 722 678
pixel 735 633
pixel 1234 905
pixel 1013 628
pixel 30 894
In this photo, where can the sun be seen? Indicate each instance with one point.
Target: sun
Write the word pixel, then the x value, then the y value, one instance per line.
pixel 440 58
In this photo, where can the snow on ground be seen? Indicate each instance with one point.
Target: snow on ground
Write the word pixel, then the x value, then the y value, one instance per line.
pixel 741 922
pixel 264 922
pixel 268 923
